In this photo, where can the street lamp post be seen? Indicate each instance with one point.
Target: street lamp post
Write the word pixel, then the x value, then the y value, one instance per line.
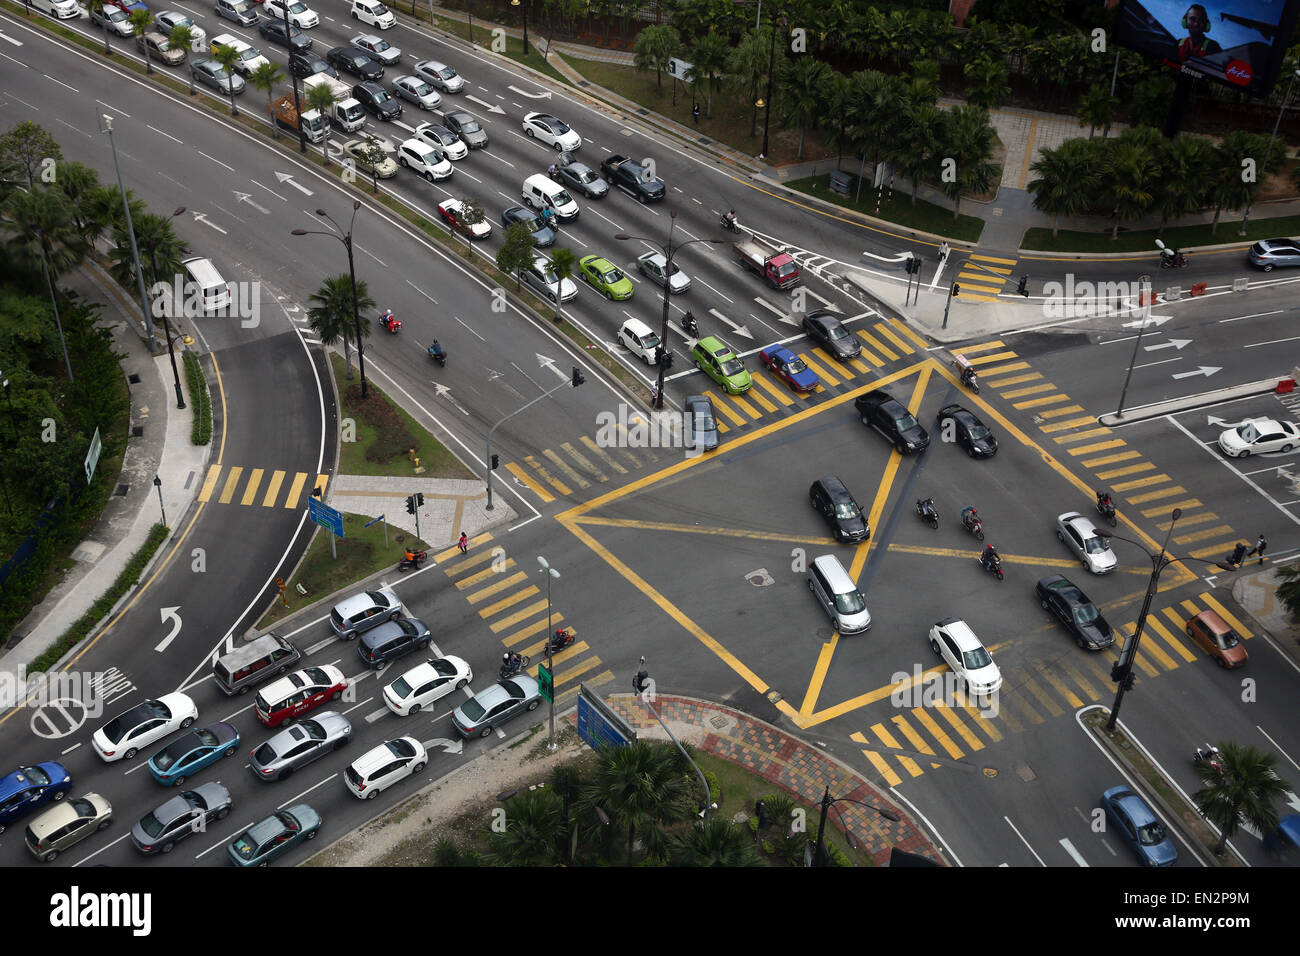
pixel 297 103
pixel 516 3
pixel 346 239
pixel 157 483
pixel 669 251
pixel 550 573
pixel 827 803
pixel 130 230
pixel 1144 294
pixel 1281 109
pixel 167 325
pixel 641 683
pixel 771 66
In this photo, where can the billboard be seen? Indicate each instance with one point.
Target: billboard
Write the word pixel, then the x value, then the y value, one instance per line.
pixel 1240 43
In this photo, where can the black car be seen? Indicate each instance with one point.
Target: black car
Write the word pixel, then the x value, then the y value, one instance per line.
pixel 303 64
pixel 377 100
pixel 1079 615
pixel 832 501
pixel 967 431
pixel 891 418
pixel 465 126
pixel 390 640
pixel 351 60
pixel 274 31
pixel 826 330
pixel 633 178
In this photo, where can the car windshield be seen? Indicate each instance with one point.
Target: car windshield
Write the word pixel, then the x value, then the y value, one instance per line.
pixel 297 7
pixel 976 658
pixel 469 126
pixel 560 127
pixel 379 46
pixel 241 6
pixel 786 270
pixel 472 711
pixel 1152 834
pixel 422 89
pixel 164 760
pixel 1227 640
pixel 836 332
pixel 584 175
pixel 380 9
pixel 704 422
pixel 264 754
pixel 151 825
pixel 117 16
pixel 561 198
pixel 1085 615
pixel 796 365
pixel 612 276
pixel 979 431
pixel 850 602
pixel 548 276
pixel 1248 432
pixel 447 73
pixel 651 342
pixel 905 423
pixel 847 509
pixel 732 366
pixel 401 688
pixel 381 96
pixel 1096 545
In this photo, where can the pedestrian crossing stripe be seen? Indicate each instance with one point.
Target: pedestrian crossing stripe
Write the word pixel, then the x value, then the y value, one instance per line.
pixel 241 486
pixel 1127 470
pixel 1081 436
pixel 1179 624
pixel 1099 446
pixel 1072 423
pixel 1039 402
pixel 603 455
pixel 509 601
pixel 528 482
pixel 1169 506
pixel 984 347
pixel 546 476
pixel 994 357
pixel 1058 412
pixel 902 327
pixel 1029 390
pixel 1219 531
pixel 756 395
pixel 776 389
pixel 1156 495
pixel 981 257
pixel 502 582
pixel 867 353
pixel 904 348
pixel 877 345
pixel 1144 482
pixel 888 740
pixel 565 469
pixel 822 373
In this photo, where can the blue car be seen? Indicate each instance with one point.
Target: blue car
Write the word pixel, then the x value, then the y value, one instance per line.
pixel 31 788
pixel 789 368
pixel 1137 825
pixel 187 755
pixel 543 235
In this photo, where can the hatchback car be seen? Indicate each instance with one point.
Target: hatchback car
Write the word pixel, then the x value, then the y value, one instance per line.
pixel 30 788
pixel 299 692
pixel 377 101
pixel 426 684
pixel 113 18
pixel 298 744
pixel 363 611
pixel 382 645
pixel 831 499
pixel 1137 825
pixel 145 723
pixel 606 278
pixel 701 427
pixel 552 131
pixel 639 339
pixel 442 139
pixel 440 75
pixel 954 641
pixel 582 178
pixel 168 20
pixel 490 708
pixel 469 129
pixel 655 267
pixel 1213 635
pixel 1268 254
pixel 415 90
pixel 543 235
pixel 423 159
pixel 160 48
pixel 275 836
pixel 66 824
pixel 377 48
pixel 1072 608
pixel 304 64
pixel 300 15
pixel 541 277
pixel 190 753
pixel 825 328
pixel 967 431
pixel 716 360
pixel 452 212
pixel 275 32
pixel 159 830
pixel 789 368
pixel 1257 436
pixel 213 74
pixel 391 762
pixel 351 60
pixel 1080 535
pixel 362 152
pixel 250 58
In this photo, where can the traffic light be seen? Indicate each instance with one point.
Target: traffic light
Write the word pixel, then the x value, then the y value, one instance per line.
pixel 1129 680
pixel 410 504
pixel 496 460
pixel 956 290
pixel 640 681
pixel 913 266
pixel 578 378
pixel 1118 672
pixel 419 499
pixel 1023 288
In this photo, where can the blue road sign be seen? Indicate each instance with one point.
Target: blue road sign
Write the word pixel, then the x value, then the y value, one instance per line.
pixel 325 516
pixel 598 725
pixel 376 521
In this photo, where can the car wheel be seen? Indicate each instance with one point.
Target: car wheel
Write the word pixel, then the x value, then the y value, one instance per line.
pixel 934 645
pixel 970 452
pixel 402 159
pixel 231 751
pixel 312 835
pixel 342 742
pixel 223 813
pixel 534 704
pixel 1043 605
pixel 486 731
pixel 178 781
pixel 57 797
pixel 103 825
pixel 167 848
pixel 865 422
pixel 1244 453
pixel 1059 536
pixel 423 645
pixel 461 683
pixel 1268 267
pixel 186 722
pixel 2 828
pixel 428 176
pixel 335 695
pixel 354 15
pixel 130 753
pixel 415 709
pixel 557 147
pixel 529 131
pixel 1286 448
pixel 1083 645
pixel 380 665
pixel 1221 662
pixel 417 768
pixel 372 794
pixel 50 857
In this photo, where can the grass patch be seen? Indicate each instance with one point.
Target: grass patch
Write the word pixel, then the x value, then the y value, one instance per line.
pixel 1144 240
pixel 924 216
pixel 514 47
pixel 200 400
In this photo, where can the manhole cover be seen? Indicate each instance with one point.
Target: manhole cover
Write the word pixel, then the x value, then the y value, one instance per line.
pixel 774 696
pixel 133 379
pixel 122 490
pixel 137 431
pixel 704 141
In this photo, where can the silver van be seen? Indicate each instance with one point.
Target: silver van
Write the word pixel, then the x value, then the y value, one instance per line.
pixel 541 192
pixel 258 660
pixel 202 273
pixel 838 595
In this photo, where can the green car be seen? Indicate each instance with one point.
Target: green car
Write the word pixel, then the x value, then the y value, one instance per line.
pixel 716 360
pixel 277 834
pixel 605 277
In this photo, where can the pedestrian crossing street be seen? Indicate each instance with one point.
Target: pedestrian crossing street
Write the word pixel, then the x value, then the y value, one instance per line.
pixel 515 610
pixel 259 487
pixel 1044 689
pixel 978 277
pixel 1135 485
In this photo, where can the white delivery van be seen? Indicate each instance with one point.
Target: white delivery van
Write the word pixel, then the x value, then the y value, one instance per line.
pixel 346 113
pixel 541 192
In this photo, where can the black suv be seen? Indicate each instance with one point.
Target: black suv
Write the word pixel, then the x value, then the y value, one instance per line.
pixel 273 30
pixel 832 501
pixel 880 411
pixel 826 330
pixel 1073 609
pixel 377 100
pixel 303 64
pixel 351 60
pixel 391 640
pixel 633 178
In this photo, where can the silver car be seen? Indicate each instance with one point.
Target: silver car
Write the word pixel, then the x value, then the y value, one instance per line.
pixel 363 611
pixel 541 277
pixel 377 48
pixel 1268 254
pixel 299 744
pixel 491 707
pixel 213 74
pixel 113 18
pixel 415 90
pixel 654 267
pixel 159 830
pixel 583 179
pixel 1080 535
pixel 440 75
pixel 466 127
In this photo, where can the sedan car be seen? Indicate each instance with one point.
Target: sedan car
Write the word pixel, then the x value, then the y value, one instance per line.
pixel 954 641
pixel 464 125
pixel 145 723
pixel 967 431
pixel 716 360
pixel 295 694
pixel 1268 254
pixel 881 411
pixel 356 62
pixel 701 426
pixel 605 277
pixel 377 100
pixel 30 788
pixel 541 277
pixel 292 38
pixel 298 744
pixel 452 213
pixel 113 18
pixel 303 64
pixel 426 684
pixel 1259 435
pixel 789 368
pixel 825 328
pixel 378 48
pixel 440 75
pixel 831 499
pixel 250 58
pixel 237 11
pixel 273 837
pixel 442 139
pixel 490 708
pixel 654 267
pixel 391 762
pixel 213 74
pixel 1137 825
pixel 363 153
pixel 582 178
pixel 417 91
pixel 1080 535
pixel 1072 608
pixel 168 20
pixel 187 755
pixel 160 48
pixel 554 132
pixel 300 15
pixel 159 830
pixel 543 235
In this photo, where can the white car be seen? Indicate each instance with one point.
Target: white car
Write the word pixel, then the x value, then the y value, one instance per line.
pixel 250 58
pixel 441 139
pixel 300 15
pixel 426 684
pixel 553 132
pixel 374 13
pixel 165 21
pixel 424 159
pixel 59 9
pixel 1091 548
pixel 379 49
pixel 389 763
pixel 541 277
pixel 1259 435
pixel 416 90
pixel 152 720
pixel 113 18
pixel 639 339
pixel 954 641
pixel 440 75
pixel 653 266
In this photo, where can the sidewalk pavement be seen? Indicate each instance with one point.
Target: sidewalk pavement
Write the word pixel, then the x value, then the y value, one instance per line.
pixel 450 505
pixel 1256 594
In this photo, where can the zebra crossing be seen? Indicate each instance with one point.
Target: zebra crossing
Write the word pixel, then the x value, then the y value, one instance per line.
pixel 259 487
pixel 982 278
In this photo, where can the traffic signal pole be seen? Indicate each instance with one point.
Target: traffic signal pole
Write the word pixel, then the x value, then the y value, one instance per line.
pixel 575 381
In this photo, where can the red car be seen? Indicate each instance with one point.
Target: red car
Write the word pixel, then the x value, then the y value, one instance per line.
pixel 298 693
pixel 451 212
pixel 789 368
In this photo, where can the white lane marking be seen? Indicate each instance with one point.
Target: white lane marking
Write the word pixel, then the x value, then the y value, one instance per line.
pixel 161 133
pixel 1253 315
pixel 1074 854
pixel 1024 841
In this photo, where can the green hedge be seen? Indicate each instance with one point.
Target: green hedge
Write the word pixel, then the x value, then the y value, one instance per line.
pixel 125 581
pixel 200 400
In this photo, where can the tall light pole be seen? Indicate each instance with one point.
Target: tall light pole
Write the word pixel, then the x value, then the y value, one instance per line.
pixel 550 573
pixel 297 103
pixel 1264 164
pixel 130 230
pixel 167 325
pixel 516 3
pixel 819 854
pixel 1144 295
pixel 575 381
pixel 346 239
pixel 644 688
pixel 669 251
pixel 771 67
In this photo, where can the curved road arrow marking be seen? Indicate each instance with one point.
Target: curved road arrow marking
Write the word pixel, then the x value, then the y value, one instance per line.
pixel 449 746
pixel 286 178
pixel 1206 370
pixel 166 614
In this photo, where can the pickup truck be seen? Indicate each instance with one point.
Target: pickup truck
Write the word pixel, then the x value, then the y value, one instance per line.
pixel 633 178
pixel 881 411
pixel 779 268
pixel 313 125
pixel 346 113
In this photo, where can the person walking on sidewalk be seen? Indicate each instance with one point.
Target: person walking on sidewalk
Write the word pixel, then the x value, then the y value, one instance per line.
pixel 695 111
pixel 1260 545
pixel 463 543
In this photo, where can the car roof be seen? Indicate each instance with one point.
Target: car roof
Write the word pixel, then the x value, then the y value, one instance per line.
pixel 359 602
pixel 286 685
pixel 779 351
pixel 600 262
pixel 961 632
pixel 374 758
pixel 637 327
pixel 1136 808
pixel 713 345
pixel 1082 522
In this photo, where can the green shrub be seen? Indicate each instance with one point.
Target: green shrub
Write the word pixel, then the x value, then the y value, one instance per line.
pixel 715 789
pixel 200 400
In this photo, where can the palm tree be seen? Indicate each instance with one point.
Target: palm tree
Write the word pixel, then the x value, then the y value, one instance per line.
pixel 708 61
pixel 1097 108
pixel 228 56
pixel 160 250
pixel 563 259
pixel 182 38
pixel 42 219
pixel 322 98
pixel 1186 163
pixel 717 842
pixel 834 101
pixel 1020 38
pixel 332 317
pixel 970 143
pixel 76 180
pixel 141 19
pixel 1133 174
pixel 102 208
pixel 806 81
pixel 1066 183
pixel 97 6
pixel 746 69
pixel 916 150
pixel 653 48
pixel 532 825
pixel 1242 794
pixel 1288 592
pixel 265 78
pixel 640 788
pixel 987 82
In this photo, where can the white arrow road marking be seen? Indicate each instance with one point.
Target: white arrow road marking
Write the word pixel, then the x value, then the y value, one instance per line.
pixel 827 302
pixel 900 257
pixel 199 217
pixel 1206 370
pixel 248 198
pixel 444 392
pixel 449 746
pixel 493 375
pixel 1148 322
pixel 492 107
pixel 515 89
pixel 1171 344
pixel 377 714
pixel 738 329
pixel 286 178
pixel 545 362
pixel 1211 420
pixel 166 614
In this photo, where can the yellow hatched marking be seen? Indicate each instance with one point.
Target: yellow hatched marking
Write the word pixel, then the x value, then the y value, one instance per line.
pixel 1030 390
pixel 1063 410
pixel 467 563
pixel 1099 446
pixel 576 670
pixel 273 489
pixel 1146 482
pixel 521 615
pixel 1191 609
pixel 565 468
pixel 822 373
pixel 250 489
pixel 1188 521
pixel 532 486
pixel 858 365
pixel 979 284
pixel 1154 622
pixel 295 489
pixel 884 329
pixel 1151 646
pixel 482 594
pixel 210 482
pixel 1169 506
pixel 978 298
pixel 509 601
pixel 603 455
pixel 1082 436
pixel 1129 470
pixel 759 397
pixel 983 723
pixel 921 344
pixel 981 347
pixel 877 344
pixel 546 476
pixel 938 733
pixel 537 627
pixel 723 428
pixel 479 577
pixel 1223 612
pixel 745 407
pixel 584 461
pixel 1156 495
pixel 1080 680
pixel 773 387
pixel 1043 699
pixel 1007 717
pixel 888 740
pixel 232 481
pixel 1109 459
pixel 1015 380
pixel 1215 532
pixel 1223 549
pixel 1046 400
pixel 1072 423
pixel 954 720
pixel 995 357
pixel 726 410
pixel 1012 367
pixel 1180 628
pixel 883 768
pixel 1058 685
pixel 980 257
pixel 915 739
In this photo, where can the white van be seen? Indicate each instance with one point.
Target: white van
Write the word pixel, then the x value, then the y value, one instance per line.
pixel 202 273
pixel 838 595
pixel 541 192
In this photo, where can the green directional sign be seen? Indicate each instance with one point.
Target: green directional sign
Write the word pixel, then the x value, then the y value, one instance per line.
pixel 547 685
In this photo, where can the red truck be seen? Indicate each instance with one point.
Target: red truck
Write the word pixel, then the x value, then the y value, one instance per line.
pixel 779 268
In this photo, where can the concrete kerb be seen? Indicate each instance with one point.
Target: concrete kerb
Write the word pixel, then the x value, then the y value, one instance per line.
pixel 1276 624
pixel 1159 409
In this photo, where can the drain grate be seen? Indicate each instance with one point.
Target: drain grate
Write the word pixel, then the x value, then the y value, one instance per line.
pixel 643 112
pixel 122 490
pixel 704 141
pixel 133 379
pixel 584 83
pixel 137 431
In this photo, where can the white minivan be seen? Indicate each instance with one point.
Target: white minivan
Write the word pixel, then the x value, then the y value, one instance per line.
pixel 541 192
pixel 838 595
pixel 202 273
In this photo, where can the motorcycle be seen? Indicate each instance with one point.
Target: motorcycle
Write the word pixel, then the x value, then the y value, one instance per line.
pixel 689 325
pixel 993 564
pixel 968 378
pixel 389 322
pixel 561 639
pixel 1170 258
pixel 971 522
pixel 420 558
pixel 729 224
pixel 928 513
pixel 1106 508
pixel 438 354
pixel 1210 757
pixel 514 664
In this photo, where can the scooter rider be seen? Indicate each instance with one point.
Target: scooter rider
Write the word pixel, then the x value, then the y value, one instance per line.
pixel 729 220
pixel 969 516
pixel 436 350
pixel 1104 502
pixel 990 558
pixel 925 507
